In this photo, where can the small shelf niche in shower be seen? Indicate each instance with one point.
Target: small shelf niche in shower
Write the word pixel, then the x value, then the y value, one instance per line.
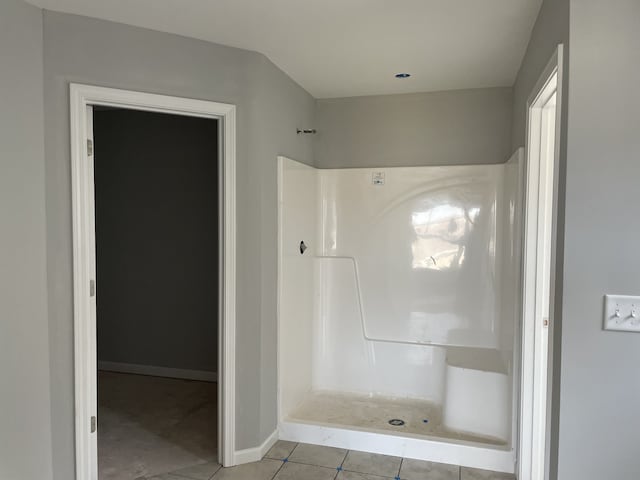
pixel 403 307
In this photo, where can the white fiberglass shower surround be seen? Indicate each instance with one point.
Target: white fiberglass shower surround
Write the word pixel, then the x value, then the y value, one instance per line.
pixel 398 308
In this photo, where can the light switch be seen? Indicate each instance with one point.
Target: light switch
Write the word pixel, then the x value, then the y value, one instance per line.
pixel 622 313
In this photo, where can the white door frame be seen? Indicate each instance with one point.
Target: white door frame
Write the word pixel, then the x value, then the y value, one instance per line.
pixel 539 271
pixel 83 97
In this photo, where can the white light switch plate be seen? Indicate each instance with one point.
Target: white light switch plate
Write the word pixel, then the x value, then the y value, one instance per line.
pixel 622 313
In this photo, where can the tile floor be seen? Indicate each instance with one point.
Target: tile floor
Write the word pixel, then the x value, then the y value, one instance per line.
pixel 150 425
pixel 299 461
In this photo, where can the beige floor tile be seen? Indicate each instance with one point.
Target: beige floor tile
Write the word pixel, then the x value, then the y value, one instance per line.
pixel 298 471
pixel 151 425
pixel 262 470
pixel 282 449
pixel 421 470
pixel 475 474
pixel 359 476
pixel 381 465
pixel 318 455
pixel 199 472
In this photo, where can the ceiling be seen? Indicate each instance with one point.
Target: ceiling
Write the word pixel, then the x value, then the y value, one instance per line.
pixel 341 48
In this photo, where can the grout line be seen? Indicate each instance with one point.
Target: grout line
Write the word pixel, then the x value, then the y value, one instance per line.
pixel 282 463
pixel 315 464
pixel 341 464
pixel 215 473
pixel 294 449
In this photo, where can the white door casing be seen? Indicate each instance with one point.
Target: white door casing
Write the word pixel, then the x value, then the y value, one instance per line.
pixel 538 276
pixel 82 99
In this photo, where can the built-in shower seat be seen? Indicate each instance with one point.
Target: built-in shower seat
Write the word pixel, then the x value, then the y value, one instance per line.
pixel 477 396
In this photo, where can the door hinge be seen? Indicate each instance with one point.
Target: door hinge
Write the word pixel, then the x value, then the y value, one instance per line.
pixel 92 288
pixel 94 424
pixel 89 147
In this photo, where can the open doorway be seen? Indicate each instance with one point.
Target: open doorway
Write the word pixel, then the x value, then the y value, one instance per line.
pixel 156 211
pixel 154 282
pixel 539 264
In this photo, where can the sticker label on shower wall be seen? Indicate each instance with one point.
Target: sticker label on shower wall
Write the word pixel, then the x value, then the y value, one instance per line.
pixel 377 178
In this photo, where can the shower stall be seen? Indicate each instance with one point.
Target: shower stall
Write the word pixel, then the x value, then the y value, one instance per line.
pixel 399 310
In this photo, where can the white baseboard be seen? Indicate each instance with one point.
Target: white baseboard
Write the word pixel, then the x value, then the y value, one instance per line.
pixel 201 375
pixel 255 454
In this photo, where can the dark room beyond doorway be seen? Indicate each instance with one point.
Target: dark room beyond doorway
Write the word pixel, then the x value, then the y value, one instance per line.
pixel 156 197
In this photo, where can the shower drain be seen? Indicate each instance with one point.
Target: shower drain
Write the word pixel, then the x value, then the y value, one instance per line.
pixel 396 422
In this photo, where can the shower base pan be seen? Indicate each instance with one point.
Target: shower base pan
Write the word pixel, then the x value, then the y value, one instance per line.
pixel 361 422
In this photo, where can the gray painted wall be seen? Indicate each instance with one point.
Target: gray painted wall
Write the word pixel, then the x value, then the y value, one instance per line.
pixel 156 189
pixel 441 128
pixel 25 420
pixel 600 383
pixel 550 30
pixel 269 108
